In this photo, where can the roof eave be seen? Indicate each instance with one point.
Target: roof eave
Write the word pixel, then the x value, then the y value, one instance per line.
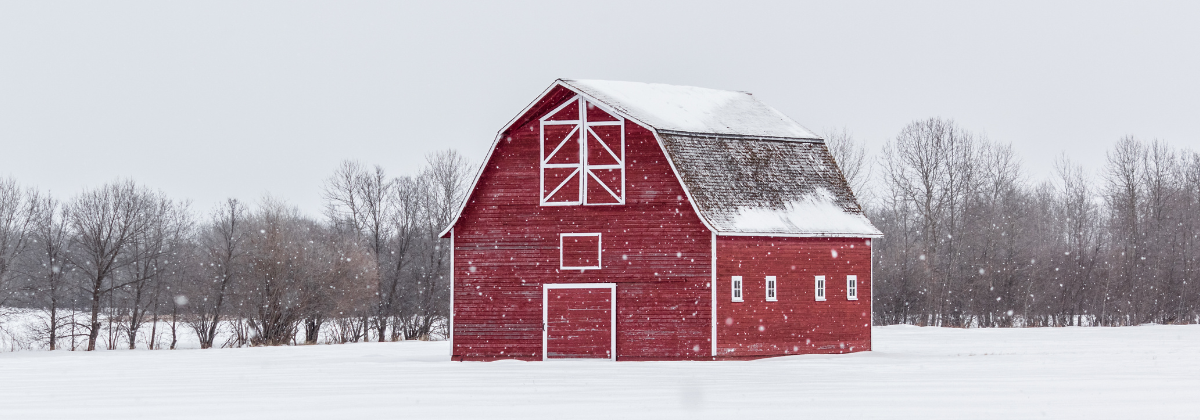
pixel 805 234
pixel 741 136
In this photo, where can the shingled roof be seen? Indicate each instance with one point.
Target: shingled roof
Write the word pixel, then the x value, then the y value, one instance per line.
pixel 748 168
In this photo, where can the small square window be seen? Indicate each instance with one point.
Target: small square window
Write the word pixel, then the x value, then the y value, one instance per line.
pixel 579 251
pixel 737 288
pixel 852 287
pixel 820 288
pixel 771 289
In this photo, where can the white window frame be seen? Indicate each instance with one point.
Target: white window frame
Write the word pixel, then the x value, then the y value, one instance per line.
pixel 599 251
pixel 735 288
pixel 852 287
pixel 820 288
pixel 772 289
pixel 582 169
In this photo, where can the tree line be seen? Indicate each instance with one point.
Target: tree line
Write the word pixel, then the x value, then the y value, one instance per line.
pixel 123 266
pixel 971 241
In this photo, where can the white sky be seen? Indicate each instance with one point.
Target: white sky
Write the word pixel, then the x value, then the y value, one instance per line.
pixel 207 100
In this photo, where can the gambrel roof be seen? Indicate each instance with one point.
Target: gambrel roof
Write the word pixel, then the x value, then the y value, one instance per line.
pixel 748 169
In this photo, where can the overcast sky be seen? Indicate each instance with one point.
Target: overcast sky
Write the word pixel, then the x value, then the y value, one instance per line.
pixel 207 100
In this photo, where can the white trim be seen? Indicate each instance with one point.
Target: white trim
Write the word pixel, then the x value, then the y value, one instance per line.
pixel 560 107
pixel 606 148
pixel 713 286
pixel 599 251
pixel 711 135
pixel 772 289
pixel 450 335
pixel 620 123
pixel 612 311
pixel 609 190
pixel 581 134
pixel 559 187
pixel 546 159
pixel 819 288
pixel 852 287
pixel 583 154
pixel 736 289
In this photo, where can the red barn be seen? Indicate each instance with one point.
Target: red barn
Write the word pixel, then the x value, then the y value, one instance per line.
pixel 634 221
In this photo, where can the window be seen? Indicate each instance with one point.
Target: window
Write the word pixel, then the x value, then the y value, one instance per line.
pixel 579 251
pixel 771 288
pixel 820 287
pixel 851 287
pixel 582 155
pixel 737 288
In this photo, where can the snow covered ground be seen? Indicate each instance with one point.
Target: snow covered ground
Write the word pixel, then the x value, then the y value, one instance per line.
pixel 927 373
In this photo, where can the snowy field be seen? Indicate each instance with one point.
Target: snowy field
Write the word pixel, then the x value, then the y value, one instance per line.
pixel 927 373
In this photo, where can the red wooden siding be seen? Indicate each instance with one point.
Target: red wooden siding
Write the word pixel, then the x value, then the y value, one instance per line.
pixel 507 246
pixel 796 323
pixel 579 323
pixel 581 251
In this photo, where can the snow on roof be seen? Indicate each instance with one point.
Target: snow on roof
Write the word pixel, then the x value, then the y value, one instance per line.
pixel 762 186
pixel 693 109
pixel 816 213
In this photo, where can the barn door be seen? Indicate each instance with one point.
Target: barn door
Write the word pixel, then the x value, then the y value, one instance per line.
pixel 579 321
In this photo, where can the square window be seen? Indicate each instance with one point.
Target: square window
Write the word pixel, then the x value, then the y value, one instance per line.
pixel 579 251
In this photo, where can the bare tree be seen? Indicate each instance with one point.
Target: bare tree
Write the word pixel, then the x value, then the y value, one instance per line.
pixel 46 264
pixel 408 224
pixel 17 208
pixel 427 300
pixel 447 173
pixel 1080 218
pixel 222 250
pixel 149 254
pixel 362 201
pixel 280 291
pixel 1125 199
pixel 931 167
pixel 851 157
pixel 105 221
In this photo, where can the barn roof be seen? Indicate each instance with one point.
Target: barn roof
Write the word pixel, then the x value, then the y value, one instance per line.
pixel 692 109
pixel 758 186
pixel 748 169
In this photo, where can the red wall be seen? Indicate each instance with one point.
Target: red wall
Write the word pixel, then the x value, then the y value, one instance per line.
pixel 796 323
pixel 506 246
